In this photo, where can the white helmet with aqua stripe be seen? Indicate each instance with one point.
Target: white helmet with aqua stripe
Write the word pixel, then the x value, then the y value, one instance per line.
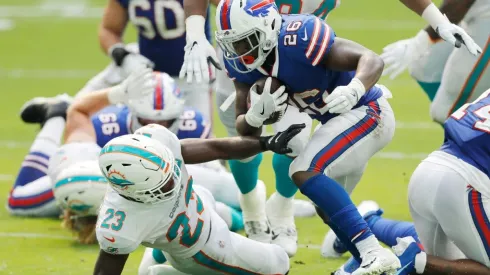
pixel 164 106
pixel 140 168
pixel 80 188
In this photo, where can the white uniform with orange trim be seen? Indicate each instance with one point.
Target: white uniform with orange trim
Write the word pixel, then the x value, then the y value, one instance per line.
pixel 454 75
pixel 194 238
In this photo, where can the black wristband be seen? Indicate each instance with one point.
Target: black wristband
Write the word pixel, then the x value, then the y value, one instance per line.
pixel 118 54
pixel 263 142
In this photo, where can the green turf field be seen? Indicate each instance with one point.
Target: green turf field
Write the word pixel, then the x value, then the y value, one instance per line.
pixel 50 47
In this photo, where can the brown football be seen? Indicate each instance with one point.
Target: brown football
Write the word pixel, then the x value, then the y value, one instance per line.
pixel 275 84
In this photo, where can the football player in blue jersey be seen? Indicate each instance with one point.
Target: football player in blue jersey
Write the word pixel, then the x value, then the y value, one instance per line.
pixel 331 79
pixel 161 41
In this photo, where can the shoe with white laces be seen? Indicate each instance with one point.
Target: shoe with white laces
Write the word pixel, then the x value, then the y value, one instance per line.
pixel 346 269
pixel 259 231
pixel 378 261
pixel 407 249
pixel 332 247
pixel 40 109
pixel 286 237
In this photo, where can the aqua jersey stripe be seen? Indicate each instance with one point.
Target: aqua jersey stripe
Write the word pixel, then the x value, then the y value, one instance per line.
pixel 472 80
pixel 126 149
pixel 203 259
pixel 430 89
pixel 76 179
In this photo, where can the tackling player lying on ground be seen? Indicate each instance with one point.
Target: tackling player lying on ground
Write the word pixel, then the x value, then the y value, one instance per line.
pixel 150 183
pixel 331 79
pixel 450 77
pixel 403 238
pixel 161 40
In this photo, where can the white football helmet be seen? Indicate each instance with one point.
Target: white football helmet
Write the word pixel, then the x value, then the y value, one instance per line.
pixel 164 106
pixel 81 188
pixel 140 168
pixel 248 31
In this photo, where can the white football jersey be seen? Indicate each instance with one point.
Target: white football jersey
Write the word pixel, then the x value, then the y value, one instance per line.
pixel 480 9
pixel 179 226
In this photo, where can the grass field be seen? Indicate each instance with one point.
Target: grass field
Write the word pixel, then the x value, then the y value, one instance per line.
pixel 50 47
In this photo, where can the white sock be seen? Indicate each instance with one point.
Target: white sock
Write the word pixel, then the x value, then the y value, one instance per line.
pixel 367 245
pixel 49 138
pixel 253 204
pixel 280 210
pixel 420 262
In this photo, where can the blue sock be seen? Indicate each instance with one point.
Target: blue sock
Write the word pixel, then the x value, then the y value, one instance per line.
pixel 334 201
pixel 346 241
pixel 246 174
pixel 236 220
pixel 430 89
pixel 158 256
pixel 284 184
pixel 35 166
pixel 388 230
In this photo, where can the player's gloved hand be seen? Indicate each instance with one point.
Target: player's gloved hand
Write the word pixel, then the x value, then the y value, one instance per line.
pixel 198 52
pixel 448 31
pixel 343 98
pixel 265 104
pixel 136 85
pixel 398 56
pixel 455 35
pixel 278 143
pixel 129 61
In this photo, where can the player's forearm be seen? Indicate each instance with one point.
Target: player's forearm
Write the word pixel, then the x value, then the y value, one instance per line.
pixel 369 69
pixel 455 10
pixel 204 150
pixel 91 103
pixel 196 7
pixel 107 39
pixel 440 266
pixel 417 6
pixel 112 27
pixel 244 129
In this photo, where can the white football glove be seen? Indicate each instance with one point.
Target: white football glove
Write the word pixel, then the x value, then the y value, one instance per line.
pixel 448 31
pixel 343 98
pixel 265 104
pixel 455 35
pixel 135 62
pixel 398 56
pixel 136 85
pixel 198 52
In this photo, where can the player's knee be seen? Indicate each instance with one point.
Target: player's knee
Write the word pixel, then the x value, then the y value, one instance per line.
pixel 282 260
pixel 437 113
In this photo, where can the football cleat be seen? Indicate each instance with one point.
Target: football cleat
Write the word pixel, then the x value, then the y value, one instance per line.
pixel 40 109
pixel 258 231
pixel 378 261
pixel 286 237
pixel 350 266
pixel 406 250
pixel 332 246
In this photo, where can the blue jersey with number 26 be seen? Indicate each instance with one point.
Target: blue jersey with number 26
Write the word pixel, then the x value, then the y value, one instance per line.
pixel 161 31
pixel 114 121
pixel 303 42
pixel 467 133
